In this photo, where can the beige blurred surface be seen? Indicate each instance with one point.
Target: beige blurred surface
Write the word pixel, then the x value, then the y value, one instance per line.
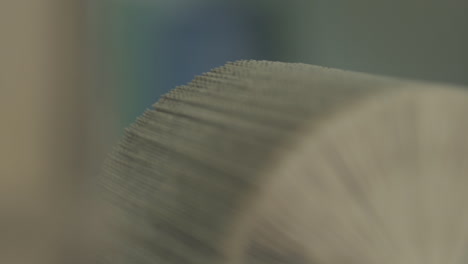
pixel 47 145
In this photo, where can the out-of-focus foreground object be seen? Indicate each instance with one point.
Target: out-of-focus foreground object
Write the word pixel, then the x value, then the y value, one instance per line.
pixel 267 162
pixel 50 137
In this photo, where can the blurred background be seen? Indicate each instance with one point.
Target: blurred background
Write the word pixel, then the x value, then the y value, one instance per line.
pixel 147 47
pixel 74 73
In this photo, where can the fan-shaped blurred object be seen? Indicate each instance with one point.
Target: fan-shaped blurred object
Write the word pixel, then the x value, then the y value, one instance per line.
pixel 268 162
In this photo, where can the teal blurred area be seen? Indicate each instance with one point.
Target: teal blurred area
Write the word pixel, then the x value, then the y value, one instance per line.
pixel 143 48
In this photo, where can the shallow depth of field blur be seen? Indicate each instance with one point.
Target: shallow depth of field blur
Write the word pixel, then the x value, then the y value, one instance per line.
pixel 146 47
pixel 74 74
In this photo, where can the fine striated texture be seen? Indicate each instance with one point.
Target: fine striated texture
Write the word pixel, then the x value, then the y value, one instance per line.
pixel 268 162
